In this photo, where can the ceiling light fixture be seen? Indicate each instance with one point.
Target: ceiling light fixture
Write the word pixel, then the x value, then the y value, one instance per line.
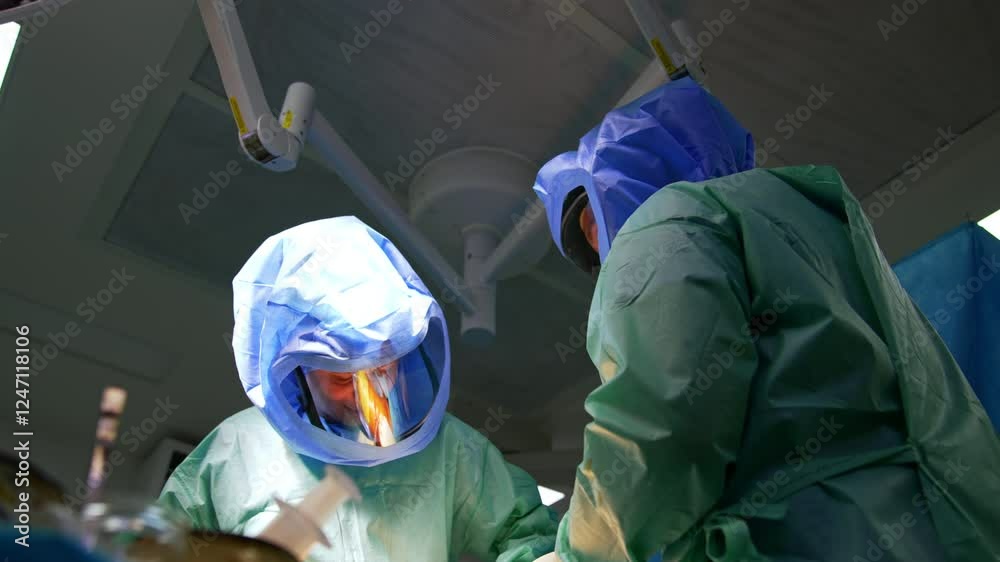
pixel 550 496
pixel 8 38
pixel 992 224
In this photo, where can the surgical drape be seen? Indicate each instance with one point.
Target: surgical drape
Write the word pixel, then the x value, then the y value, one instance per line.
pixel 955 280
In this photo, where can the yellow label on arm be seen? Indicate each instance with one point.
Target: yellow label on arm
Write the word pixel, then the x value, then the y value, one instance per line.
pixel 661 54
pixel 240 124
pixel 287 118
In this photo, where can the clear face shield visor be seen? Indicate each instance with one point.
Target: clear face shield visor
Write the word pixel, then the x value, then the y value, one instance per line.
pixel 379 406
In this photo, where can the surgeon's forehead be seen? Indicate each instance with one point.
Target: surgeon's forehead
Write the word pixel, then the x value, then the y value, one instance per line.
pixel 330 374
pixel 346 375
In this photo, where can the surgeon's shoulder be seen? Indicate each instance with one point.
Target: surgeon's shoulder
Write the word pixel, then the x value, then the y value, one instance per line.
pixel 717 203
pixel 247 429
pixel 250 418
pixel 455 432
pixel 452 426
pixel 671 239
pixel 240 433
pixel 810 172
pixel 697 204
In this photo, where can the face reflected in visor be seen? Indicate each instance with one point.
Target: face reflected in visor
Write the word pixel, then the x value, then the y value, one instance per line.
pixel 579 233
pixel 588 224
pixel 379 406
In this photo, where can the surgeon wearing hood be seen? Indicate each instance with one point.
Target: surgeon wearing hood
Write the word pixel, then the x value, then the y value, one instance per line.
pixel 344 353
pixel 769 392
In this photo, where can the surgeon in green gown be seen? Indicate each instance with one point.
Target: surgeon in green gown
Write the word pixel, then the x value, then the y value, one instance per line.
pixel 344 353
pixel 770 392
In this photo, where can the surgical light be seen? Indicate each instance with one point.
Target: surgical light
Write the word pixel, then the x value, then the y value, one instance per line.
pixel 992 224
pixel 550 496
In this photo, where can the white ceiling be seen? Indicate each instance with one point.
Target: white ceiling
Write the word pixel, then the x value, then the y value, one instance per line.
pixel 119 207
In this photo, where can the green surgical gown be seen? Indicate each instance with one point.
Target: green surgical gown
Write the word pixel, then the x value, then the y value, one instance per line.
pixel 456 496
pixel 770 392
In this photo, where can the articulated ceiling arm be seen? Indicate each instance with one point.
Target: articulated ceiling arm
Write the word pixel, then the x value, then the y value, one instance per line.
pixel 277 143
pixel 274 143
pixel 666 36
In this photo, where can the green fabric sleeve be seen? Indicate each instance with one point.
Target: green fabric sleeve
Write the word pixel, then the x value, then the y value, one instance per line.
pixel 668 332
pixel 187 492
pixel 498 512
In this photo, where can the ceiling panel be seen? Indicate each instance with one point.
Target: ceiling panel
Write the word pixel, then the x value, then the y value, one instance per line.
pixel 212 237
pixel 890 96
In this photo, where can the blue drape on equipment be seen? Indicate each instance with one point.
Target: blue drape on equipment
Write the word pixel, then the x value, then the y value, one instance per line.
pixel 955 281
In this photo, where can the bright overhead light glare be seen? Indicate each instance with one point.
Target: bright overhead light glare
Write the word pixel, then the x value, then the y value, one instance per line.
pixel 8 38
pixel 992 224
pixel 550 496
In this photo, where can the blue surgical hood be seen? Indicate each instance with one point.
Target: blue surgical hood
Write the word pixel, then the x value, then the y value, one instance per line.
pixel 677 132
pixel 336 295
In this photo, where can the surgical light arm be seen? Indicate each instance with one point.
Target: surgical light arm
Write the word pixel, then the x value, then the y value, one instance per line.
pixel 278 143
pixel 666 36
pixel 274 144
